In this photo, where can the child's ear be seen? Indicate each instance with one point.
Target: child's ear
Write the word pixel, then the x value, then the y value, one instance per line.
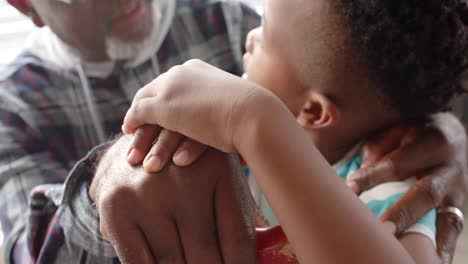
pixel 25 7
pixel 318 112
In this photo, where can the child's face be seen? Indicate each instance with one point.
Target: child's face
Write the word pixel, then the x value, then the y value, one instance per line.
pixel 267 48
pixel 278 52
pixel 303 48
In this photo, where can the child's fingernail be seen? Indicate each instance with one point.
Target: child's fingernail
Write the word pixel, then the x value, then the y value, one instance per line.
pixel 181 158
pixel 353 186
pixel 153 164
pixel 132 156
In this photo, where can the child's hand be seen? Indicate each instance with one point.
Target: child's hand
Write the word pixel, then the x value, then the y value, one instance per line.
pixel 199 101
pixel 155 146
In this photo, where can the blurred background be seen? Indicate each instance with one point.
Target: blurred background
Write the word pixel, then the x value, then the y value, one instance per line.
pixel 14 29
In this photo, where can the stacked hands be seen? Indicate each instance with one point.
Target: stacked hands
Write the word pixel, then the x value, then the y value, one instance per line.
pixel 195 105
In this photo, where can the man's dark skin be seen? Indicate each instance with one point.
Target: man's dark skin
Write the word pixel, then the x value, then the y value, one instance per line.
pixel 189 203
pixel 76 24
pixel 393 155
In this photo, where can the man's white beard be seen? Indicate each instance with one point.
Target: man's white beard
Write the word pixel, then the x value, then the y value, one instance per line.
pixel 118 49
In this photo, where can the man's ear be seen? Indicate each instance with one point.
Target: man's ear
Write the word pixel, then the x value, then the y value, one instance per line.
pixel 27 9
pixel 318 112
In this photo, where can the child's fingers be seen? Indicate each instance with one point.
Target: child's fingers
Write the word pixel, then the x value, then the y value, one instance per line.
pixel 188 152
pixel 162 150
pixel 141 143
pixel 146 111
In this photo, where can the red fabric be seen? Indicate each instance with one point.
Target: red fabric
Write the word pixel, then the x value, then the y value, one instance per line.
pixel 273 247
pixel 22 3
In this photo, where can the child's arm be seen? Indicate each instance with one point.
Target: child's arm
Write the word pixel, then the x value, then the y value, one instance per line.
pixel 324 221
pixel 420 248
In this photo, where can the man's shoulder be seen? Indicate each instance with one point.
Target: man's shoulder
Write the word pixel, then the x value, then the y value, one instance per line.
pixel 25 72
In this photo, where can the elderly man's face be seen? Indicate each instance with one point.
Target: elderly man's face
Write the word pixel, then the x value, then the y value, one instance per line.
pixel 90 26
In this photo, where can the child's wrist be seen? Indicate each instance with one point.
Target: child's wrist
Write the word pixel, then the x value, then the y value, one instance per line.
pixel 258 114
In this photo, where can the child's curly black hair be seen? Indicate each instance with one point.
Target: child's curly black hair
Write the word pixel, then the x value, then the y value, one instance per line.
pixel 418 49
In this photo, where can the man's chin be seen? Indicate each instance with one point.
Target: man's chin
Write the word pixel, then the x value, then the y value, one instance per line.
pixel 128 42
pixel 122 50
pixel 119 48
pixel 135 33
pixel 136 24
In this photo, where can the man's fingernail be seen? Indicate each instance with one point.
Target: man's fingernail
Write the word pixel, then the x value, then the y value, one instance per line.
pixel 353 186
pixel 132 156
pixel 181 158
pixel 153 163
pixel 390 227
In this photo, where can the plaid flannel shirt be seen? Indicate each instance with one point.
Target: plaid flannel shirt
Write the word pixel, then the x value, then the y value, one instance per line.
pixel 46 128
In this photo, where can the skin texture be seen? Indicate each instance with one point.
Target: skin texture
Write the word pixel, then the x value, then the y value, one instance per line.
pixel 88 40
pixel 241 116
pixel 389 155
pixel 319 115
pixel 444 184
pixel 85 27
pixel 187 204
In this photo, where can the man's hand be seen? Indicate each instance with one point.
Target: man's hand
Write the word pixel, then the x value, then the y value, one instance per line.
pixel 436 154
pixel 155 147
pixel 201 213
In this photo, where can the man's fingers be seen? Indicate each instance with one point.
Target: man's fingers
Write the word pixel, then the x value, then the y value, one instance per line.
pixel 162 150
pixel 163 237
pixel 188 152
pixel 423 196
pixel 382 144
pixel 126 238
pixel 198 234
pixel 130 246
pixel 141 143
pixel 366 178
pixel 449 228
pixel 197 222
pixel 235 218
pixel 409 160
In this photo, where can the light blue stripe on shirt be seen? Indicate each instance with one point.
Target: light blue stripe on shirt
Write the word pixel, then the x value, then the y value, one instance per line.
pixel 378 199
